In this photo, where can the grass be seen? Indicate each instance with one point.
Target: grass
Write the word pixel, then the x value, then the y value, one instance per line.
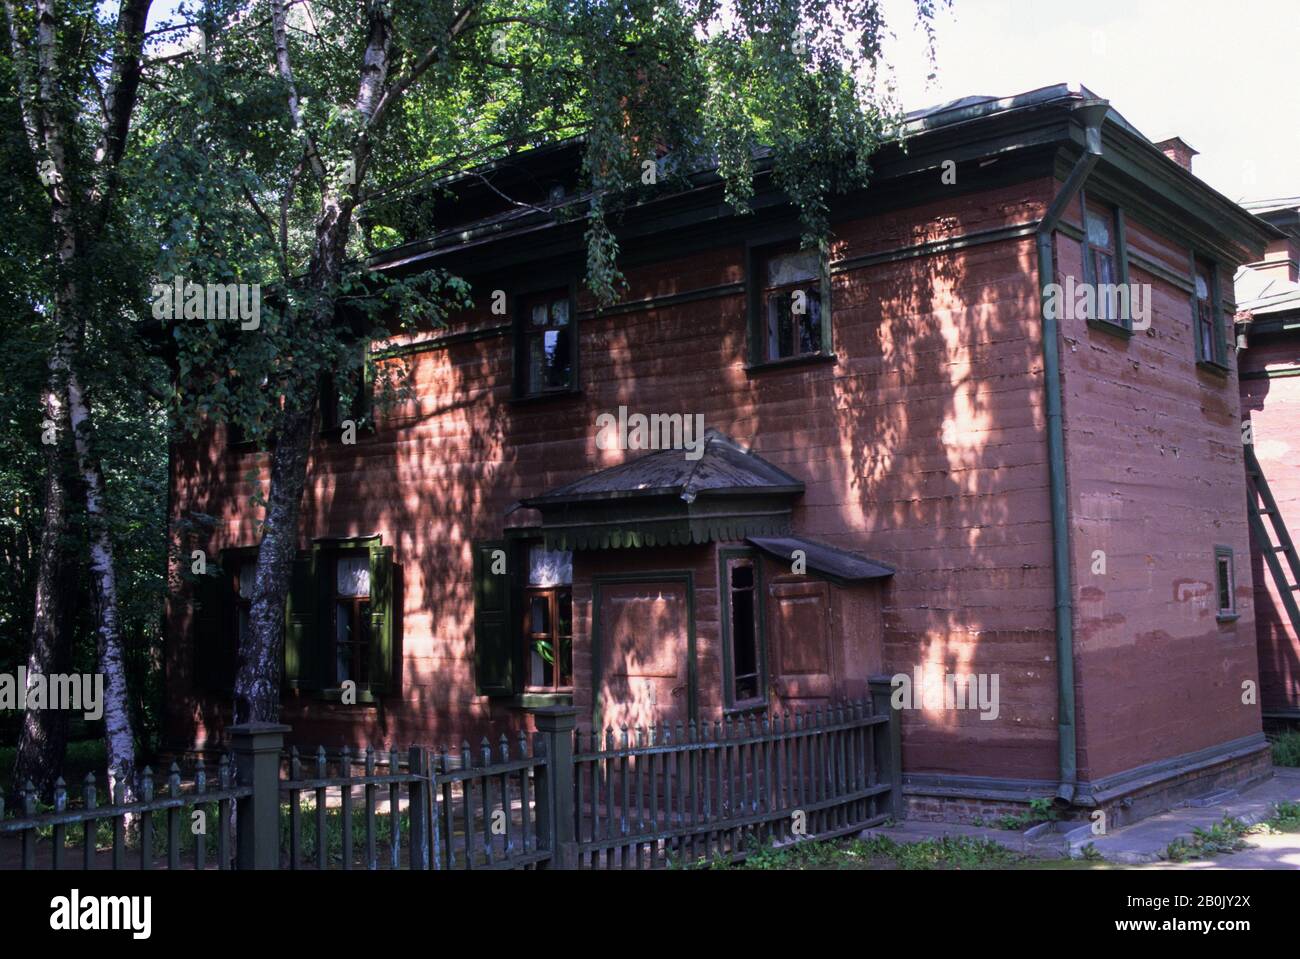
pixel 1286 748
pixel 83 756
pixel 1040 810
pixel 878 853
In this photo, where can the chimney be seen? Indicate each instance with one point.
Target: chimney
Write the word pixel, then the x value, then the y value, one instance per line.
pixel 1281 260
pixel 1178 150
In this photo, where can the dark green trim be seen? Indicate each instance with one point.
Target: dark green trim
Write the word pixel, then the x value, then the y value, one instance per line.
pixel 807 359
pixel 692 670
pixel 966 240
pixel 670 299
pixel 441 342
pixel 726 553
pixel 1279 373
pixel 1114 329
pixel 1217 369
pixel 1091 116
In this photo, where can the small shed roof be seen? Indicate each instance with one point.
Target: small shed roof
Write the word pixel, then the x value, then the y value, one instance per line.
pixel 838 564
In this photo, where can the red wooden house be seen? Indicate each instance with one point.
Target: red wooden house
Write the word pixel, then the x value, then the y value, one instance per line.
pixel 1268 301
pixel 915 458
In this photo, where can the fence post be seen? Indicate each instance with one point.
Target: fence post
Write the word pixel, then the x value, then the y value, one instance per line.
pixel 888 742
pixel 555 783
pixel 420 795
pixel 256 748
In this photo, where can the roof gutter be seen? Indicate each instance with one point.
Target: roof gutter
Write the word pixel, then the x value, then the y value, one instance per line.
pixel 1092 113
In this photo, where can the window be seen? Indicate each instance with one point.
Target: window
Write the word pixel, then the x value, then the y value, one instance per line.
pixel 1102 267
pixel 791 318
pixel 340 619
pixel 742 617
pixel 1225 582
pixel 1206 319
pixel 351 627
pixel 546 340
pixel 523 618
pixel 548 621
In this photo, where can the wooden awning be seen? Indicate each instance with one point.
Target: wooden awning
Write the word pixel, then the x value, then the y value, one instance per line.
pixel 838 565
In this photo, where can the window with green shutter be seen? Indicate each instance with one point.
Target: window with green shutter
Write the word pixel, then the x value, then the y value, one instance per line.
pixel 495 650
pixel 342 619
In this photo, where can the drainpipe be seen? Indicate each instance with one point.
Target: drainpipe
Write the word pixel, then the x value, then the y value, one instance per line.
pixel 1092 113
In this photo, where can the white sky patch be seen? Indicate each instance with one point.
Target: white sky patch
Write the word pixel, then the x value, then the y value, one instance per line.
pixel 1221 76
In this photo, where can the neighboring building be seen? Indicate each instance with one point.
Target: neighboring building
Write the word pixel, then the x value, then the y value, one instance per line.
pixel 1268 301
pixel 1069 522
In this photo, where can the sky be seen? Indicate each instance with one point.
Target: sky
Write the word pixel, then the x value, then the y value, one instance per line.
pixel 1223 76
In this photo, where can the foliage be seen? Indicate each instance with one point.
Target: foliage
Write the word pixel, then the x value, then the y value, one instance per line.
pixel 1222 837
pixel 1286 748
pixel 1040 810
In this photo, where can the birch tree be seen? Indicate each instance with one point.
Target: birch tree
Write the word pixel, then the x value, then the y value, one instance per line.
pixel 77 81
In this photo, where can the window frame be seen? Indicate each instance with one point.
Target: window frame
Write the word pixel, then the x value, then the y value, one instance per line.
pixel 330 630
pixel 1218 362
pixel 757 253
pixel 1122 325
pixel 521 302
pixel 527 638
pixel 1224 555
pixel 727 558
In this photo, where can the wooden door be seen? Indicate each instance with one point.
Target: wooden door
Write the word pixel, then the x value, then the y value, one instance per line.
pixel 803 673
pixel 644 639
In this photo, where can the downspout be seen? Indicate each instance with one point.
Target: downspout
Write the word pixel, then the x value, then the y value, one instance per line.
pixel 1092 113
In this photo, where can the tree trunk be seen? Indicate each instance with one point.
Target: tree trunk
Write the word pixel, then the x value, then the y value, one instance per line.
pixel 257 682
pixel 119 739
pixel 44 737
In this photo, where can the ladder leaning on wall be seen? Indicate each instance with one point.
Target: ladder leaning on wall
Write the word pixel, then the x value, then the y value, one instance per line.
pixel 1259 504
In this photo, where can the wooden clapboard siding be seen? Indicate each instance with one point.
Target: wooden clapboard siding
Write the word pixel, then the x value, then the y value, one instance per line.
pixel 922 447
pixel 1156 481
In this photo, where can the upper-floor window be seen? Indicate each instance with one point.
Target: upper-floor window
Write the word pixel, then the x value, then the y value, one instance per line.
pixel 1206 319
pixel 546 344
pixel 1105 266
pixel 790 310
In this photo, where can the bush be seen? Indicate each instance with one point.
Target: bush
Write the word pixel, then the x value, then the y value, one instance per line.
pixel 1286 749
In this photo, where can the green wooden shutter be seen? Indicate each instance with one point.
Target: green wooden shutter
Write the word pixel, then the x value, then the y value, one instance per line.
pixel 383 675
pixel 212 633
pixel 494 637
pixel 301 636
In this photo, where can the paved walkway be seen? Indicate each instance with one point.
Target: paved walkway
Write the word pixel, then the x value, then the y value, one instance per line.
pixel 1143 842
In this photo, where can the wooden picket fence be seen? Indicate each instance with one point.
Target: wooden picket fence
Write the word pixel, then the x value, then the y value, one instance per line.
pixel 665 795
pixel 562 798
